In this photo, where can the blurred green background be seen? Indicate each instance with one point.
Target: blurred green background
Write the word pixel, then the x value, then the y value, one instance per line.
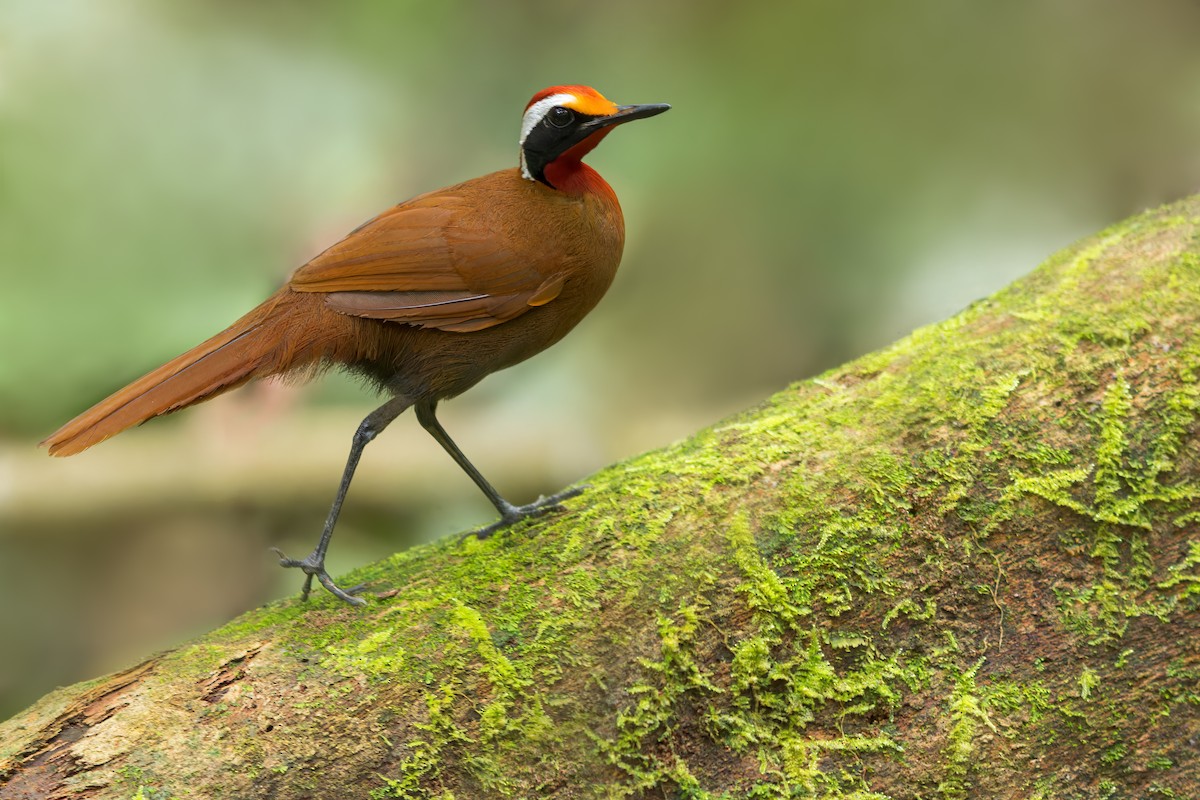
pixel 832 176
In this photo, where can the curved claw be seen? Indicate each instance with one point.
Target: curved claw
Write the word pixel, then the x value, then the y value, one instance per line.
pixel 340 593
pixel 314 567
pixel 543 505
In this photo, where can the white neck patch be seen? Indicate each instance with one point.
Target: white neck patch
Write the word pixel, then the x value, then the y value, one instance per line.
pixel 533 117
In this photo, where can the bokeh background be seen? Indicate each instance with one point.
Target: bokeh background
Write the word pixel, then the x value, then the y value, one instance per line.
pixel 832 175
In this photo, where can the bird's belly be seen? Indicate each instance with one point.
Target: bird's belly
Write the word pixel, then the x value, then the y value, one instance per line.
pixel 430 364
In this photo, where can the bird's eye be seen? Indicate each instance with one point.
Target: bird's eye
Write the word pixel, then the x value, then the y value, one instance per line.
pixel 560 117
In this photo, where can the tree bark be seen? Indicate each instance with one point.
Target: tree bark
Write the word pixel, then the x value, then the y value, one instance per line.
pixel 965 566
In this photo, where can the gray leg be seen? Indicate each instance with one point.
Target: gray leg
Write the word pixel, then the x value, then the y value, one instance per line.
pixel 314 564
pixel 508 512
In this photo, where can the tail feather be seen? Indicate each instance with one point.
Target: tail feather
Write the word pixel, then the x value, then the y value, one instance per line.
pixel 253 347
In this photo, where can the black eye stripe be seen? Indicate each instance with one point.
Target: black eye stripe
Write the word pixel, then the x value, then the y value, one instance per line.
pixel 547 141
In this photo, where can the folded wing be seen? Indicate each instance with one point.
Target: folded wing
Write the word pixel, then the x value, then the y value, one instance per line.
pixel 423 263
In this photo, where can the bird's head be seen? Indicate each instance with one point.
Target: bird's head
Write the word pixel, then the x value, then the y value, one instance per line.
pixel 563 123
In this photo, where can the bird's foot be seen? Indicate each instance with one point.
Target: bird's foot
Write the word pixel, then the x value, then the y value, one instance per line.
pixel 543 505
pixel 314 567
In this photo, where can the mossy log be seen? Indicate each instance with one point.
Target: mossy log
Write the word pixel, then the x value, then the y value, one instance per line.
pixel 965 566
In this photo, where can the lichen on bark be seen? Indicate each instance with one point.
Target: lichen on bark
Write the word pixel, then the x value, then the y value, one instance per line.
pixel 964 566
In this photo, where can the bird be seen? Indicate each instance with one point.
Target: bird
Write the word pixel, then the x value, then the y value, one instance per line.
pixel 424 301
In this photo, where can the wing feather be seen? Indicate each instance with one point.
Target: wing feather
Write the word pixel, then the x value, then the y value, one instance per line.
pixel 430 262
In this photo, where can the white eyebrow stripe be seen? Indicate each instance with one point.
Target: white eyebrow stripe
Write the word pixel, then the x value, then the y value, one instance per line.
pixel 538 110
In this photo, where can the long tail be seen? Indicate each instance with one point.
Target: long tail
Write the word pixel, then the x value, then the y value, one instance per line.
pixel 267 341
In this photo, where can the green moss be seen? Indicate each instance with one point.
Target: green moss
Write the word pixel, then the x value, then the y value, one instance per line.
pixel 966 714
pixel 363 656
pixel 1185 576
pixel 1088 682
pixel 146 793
pixel 787 603
pixel 1114 754
pixel 440 734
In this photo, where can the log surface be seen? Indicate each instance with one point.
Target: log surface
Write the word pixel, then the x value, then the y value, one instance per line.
pixel 967 565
